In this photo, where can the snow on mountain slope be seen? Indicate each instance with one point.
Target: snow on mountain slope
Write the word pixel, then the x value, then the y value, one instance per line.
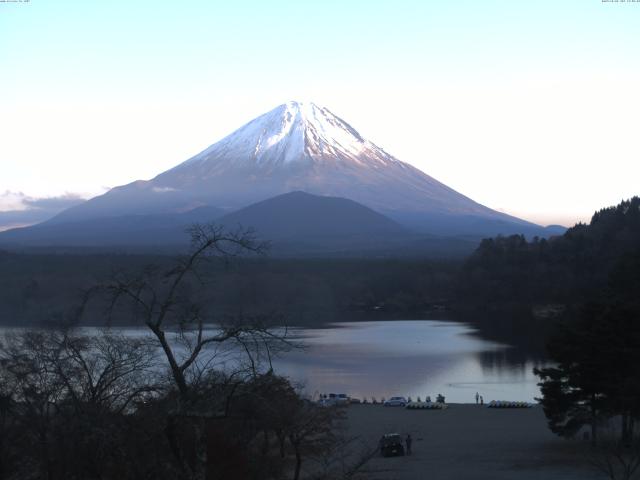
pixel 294 147
pixel 300 146
pixel 292 132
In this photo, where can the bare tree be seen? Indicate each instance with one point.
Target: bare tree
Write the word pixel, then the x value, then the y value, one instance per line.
pixel 105 372
pixel 164 300
pixel 84 400
pixel 68 397
pixel 37 390
pixel 174 306
pixel 7 409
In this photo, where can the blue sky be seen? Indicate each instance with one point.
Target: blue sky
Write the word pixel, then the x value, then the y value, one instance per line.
pixel 526 106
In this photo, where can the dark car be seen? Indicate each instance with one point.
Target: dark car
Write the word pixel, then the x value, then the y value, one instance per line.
pixel 391 445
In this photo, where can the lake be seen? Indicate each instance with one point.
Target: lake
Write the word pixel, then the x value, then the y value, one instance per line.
pixel 408 358
pixel 400 357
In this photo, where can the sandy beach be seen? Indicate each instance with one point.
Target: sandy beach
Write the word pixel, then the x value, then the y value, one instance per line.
pixel 470 442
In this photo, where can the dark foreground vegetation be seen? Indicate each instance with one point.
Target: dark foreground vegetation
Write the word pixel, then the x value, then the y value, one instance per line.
pixel 184 402
pixel 106 407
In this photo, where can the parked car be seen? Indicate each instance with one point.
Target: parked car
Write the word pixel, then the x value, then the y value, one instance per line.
pixel 391 445
pixel 396 402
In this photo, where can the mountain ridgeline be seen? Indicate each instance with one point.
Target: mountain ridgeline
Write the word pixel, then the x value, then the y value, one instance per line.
pixel 294 224
pixel 304 179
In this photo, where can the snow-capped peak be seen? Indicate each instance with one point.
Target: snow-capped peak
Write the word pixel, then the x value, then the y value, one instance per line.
pixel 292 133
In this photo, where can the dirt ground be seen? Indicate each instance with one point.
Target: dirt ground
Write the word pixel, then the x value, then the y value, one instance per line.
pixel 470 442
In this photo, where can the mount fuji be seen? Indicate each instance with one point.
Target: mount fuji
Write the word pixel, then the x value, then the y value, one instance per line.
pixel 299 147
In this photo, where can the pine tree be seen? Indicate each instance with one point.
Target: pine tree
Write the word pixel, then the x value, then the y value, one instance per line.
pixel 597 376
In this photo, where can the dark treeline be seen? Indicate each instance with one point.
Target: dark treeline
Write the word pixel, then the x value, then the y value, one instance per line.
pixel 516 290
pixel 41 287
pixel 511 271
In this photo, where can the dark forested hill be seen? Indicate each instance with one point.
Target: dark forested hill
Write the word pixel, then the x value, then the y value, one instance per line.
pixel 563 269
pixel 37 288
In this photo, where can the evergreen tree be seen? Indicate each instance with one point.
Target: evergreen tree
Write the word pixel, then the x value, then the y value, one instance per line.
pixel 573 392
pixel 597 376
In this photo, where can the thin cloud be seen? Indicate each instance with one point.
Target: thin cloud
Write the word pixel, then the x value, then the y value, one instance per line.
pixel 20 210
pixel 54 203
pixel 10 201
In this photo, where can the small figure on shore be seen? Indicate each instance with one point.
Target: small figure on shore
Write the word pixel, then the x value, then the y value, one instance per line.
pixel 428 399
pixel 477 397
pixel 481 400
pixel 408 441
pixel 440 398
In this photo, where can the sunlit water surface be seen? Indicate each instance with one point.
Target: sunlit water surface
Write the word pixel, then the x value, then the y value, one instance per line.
pixel 409 358
pixel 387 358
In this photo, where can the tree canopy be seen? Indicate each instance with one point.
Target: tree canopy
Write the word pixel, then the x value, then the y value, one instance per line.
pixel 565 269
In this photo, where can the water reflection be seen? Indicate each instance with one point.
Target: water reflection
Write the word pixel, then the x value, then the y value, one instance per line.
pixel 415 358
pixel 385 358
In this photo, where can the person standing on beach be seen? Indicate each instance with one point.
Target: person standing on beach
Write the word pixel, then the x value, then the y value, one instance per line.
pixel 408 441
pixel 477 397
pixel 481 400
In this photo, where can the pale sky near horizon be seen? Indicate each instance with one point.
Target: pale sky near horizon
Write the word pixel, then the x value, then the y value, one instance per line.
pixel 528 107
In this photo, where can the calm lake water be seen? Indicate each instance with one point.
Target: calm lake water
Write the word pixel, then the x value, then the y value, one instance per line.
pixel 409 358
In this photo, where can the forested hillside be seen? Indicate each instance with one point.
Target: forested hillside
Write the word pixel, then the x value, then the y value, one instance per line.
pixel 510 271
pixel 36 288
